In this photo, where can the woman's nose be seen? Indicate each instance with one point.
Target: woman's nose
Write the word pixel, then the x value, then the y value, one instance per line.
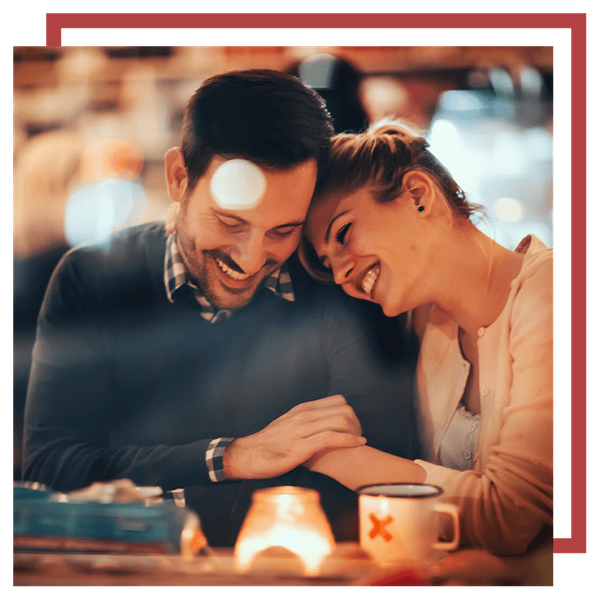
pixel 343 271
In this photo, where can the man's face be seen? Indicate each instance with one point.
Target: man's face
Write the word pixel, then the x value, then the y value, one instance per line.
pixel 229 248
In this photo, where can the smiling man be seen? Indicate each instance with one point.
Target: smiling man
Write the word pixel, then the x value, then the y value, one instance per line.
pixel 198 354
pixel 232 240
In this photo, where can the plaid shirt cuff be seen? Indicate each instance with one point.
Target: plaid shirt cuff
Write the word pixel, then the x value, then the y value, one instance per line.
pixel 214 458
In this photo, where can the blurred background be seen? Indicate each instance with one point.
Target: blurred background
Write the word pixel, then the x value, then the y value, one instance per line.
pixel 91 126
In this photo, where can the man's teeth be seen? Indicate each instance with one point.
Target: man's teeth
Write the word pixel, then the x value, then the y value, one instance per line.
pixel 233 274
pixel 370 278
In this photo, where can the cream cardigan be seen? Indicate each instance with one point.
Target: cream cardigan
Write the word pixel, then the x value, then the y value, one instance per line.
pixel 507 498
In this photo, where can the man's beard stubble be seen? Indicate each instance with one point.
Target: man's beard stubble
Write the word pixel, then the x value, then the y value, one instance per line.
pixel 199 271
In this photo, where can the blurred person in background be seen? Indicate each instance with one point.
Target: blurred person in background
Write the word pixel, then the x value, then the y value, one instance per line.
pixel 62 195
pixel 337 81
pixel 391 226
pixel 47 169
pixel 198 354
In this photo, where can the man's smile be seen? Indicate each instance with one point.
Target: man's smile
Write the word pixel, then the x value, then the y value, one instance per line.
pixel 230 272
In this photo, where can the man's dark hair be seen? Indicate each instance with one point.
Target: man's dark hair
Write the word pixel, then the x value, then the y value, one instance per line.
pixel 261 115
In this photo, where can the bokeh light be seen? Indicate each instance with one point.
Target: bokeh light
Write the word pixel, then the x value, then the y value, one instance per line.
pixel 95 211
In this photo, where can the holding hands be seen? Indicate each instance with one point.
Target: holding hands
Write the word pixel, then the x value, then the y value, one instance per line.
pixel 293 438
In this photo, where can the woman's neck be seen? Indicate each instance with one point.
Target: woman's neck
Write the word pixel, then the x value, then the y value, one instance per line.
pixel 475 288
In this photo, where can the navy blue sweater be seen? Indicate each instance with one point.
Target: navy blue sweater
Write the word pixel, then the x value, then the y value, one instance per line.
pixel 125 384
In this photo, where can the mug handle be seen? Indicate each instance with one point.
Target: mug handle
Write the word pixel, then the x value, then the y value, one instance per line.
pixel 453 512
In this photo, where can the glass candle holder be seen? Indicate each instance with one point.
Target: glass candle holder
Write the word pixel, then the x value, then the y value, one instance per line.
pixel 290 517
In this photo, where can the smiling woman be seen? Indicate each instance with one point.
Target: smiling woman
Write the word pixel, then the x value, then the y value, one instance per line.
pixel 390 225
pixel 381 218
pixel 379 159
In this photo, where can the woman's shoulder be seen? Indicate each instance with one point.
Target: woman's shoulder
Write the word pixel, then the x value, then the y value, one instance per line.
pixel 537 257
pixel 534 285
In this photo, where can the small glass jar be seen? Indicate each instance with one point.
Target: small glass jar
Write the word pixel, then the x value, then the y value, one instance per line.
pixel 290 517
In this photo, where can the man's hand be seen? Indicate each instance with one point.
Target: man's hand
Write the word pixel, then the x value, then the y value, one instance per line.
pixel 293 438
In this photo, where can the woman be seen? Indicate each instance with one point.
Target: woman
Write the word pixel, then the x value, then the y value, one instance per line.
pixel 390 225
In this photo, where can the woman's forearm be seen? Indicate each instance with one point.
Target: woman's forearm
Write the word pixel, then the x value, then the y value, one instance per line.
pixel 354 467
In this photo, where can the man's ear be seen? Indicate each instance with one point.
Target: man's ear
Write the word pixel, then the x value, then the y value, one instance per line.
pixel 176 174
pixel 421 190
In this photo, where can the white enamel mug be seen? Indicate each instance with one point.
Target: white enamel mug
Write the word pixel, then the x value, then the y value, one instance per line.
pixel 398 521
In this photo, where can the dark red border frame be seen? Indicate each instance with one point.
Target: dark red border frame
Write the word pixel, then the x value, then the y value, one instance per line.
pixel 576 22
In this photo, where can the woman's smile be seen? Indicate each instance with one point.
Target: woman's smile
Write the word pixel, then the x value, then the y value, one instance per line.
pixel 369 279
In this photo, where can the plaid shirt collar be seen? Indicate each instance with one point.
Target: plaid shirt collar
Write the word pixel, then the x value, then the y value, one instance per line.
pixel 176 276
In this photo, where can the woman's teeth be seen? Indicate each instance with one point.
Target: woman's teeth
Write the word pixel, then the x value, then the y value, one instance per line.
pixel 233 274
pixel 370 278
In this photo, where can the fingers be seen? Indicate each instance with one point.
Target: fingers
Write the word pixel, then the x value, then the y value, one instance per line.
pixel 332 412
pixel 342 420
pixel 330 401
pixel 329 423
pixel 332 439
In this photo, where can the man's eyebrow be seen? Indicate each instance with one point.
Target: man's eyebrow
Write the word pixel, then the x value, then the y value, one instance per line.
pixel 328 231
pixel 293 224
pixel 224 213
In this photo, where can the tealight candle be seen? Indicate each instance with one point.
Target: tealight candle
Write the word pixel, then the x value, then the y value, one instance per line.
pixel 290 517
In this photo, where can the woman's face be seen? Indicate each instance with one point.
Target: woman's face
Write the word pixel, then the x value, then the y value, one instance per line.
pixel 377 251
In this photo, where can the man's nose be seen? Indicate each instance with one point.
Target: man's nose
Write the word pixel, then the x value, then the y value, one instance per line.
pixel 250 253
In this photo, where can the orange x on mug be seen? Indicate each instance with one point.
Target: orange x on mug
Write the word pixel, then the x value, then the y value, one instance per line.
pixel 379 527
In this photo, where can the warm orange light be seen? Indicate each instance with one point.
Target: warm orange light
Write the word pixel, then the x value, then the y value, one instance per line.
pixel 290 517
pixel 106 158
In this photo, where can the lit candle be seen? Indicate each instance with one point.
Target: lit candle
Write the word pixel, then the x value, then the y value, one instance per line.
pixel 290 517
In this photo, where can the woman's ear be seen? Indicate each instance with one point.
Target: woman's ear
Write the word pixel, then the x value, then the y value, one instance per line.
pixel 421 190
pixel 176 174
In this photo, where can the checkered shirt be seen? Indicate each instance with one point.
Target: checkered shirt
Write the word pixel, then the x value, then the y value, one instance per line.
pixel 176 276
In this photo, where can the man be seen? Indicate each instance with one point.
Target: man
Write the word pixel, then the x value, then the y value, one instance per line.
pixel 200 356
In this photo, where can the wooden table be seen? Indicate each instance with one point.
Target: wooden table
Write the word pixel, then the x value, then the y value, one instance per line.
pixel 275 567
pixel 347 566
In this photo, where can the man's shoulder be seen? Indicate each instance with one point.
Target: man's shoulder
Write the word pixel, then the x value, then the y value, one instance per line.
pixel 124 249
pixel 131 261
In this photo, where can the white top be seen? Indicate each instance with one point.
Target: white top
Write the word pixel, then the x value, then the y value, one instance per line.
pixel 460 442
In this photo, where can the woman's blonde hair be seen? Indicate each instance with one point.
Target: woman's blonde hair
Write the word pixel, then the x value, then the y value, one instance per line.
pixel 378 158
